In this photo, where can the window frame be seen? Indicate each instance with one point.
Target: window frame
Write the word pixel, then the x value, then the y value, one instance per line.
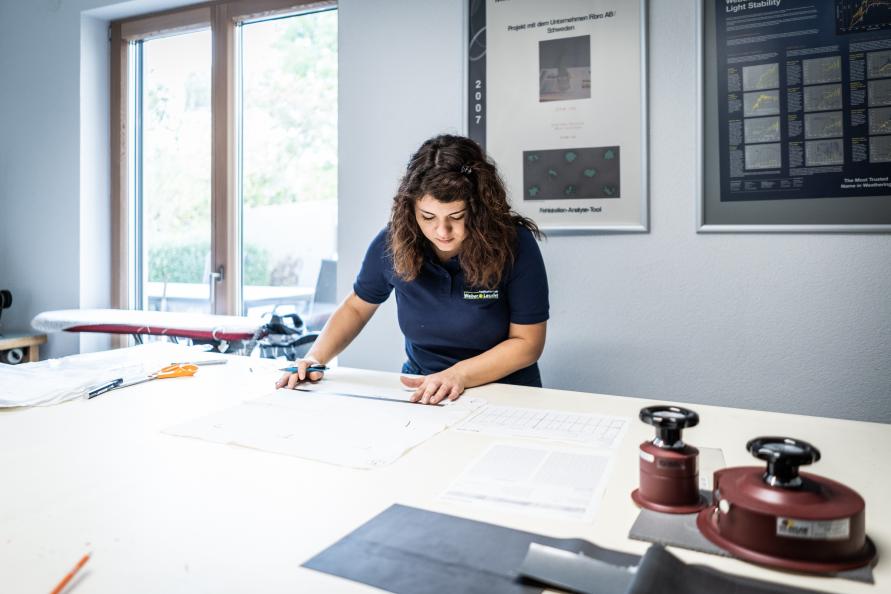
pixel 222 18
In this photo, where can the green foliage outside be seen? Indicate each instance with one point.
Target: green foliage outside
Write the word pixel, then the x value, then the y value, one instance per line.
pixel 290 110
pixel 289 136
pixel 187 263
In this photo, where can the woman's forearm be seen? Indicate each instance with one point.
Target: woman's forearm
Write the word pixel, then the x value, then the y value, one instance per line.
pixel 342 328
pixel 521 349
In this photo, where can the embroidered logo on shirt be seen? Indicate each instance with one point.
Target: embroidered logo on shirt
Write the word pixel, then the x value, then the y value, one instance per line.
pixel 476 295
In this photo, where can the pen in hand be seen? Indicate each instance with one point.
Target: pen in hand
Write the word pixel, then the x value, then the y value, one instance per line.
pixel 308 369
pixel 283 382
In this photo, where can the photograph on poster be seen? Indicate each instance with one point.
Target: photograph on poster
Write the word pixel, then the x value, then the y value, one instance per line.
pixel 571 174
pixel 565 68
pixel 557 97
pixel 796 107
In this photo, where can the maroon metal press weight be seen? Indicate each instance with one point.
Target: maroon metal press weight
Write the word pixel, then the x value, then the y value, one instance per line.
pixel 669 468
pixel 784 518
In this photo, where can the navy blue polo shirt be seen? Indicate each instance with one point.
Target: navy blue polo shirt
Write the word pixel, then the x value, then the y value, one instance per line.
pixel 443 320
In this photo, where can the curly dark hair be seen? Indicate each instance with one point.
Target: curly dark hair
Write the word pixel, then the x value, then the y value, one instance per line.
pixel 452 168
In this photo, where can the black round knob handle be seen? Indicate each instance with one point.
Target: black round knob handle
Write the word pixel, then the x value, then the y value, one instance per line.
pixel 783 456
pixel 668 421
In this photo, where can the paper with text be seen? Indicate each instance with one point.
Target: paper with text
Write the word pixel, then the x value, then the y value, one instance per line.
pixel 558 482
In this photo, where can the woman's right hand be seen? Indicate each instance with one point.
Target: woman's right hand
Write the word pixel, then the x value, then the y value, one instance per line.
pixel 290 380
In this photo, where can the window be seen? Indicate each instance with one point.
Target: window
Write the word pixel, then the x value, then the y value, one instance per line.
pixel 225 158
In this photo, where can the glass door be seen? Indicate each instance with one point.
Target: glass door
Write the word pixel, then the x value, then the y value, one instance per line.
pixel 172 181
pixel 288 163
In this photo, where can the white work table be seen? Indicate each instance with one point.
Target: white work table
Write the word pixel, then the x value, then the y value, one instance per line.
pixel 171 514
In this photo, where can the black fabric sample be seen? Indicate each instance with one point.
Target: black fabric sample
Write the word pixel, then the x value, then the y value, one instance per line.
pixel 413 551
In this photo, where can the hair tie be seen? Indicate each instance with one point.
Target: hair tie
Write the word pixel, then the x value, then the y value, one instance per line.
pixel 466 170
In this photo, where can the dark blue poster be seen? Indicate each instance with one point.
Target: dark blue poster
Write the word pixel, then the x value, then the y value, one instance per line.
pixel 803 98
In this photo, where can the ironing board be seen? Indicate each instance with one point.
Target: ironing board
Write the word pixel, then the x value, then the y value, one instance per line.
pixel 158 323
pixel 228 334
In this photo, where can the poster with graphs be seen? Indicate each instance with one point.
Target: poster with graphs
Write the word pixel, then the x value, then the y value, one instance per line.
pixel 557 97
pixel 797 113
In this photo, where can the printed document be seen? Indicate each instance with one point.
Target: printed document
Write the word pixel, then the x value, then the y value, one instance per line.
pixel 539 480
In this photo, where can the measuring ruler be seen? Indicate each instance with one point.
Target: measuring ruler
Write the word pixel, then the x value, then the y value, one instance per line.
pixel 362 396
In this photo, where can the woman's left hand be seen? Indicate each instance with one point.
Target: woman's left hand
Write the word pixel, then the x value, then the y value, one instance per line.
pixel 436 387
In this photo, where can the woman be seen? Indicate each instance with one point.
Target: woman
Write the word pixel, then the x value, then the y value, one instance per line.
pixel 470 283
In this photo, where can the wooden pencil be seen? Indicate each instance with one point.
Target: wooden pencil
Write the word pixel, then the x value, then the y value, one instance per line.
pixel 71 574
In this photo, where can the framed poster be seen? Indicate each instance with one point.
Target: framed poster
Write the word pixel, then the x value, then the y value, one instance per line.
pixel 557 97
pixel 796 116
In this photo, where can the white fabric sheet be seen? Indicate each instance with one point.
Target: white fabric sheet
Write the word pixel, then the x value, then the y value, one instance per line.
pixel 57 380
pixel 323 426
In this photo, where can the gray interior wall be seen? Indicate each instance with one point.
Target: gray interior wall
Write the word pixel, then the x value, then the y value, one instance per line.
pixel 792 323
pixel 95 182
pixel 798 323
pixel 39 177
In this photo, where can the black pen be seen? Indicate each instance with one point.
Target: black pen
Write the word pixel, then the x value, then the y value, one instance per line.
pixel 102 389
pixel 308 369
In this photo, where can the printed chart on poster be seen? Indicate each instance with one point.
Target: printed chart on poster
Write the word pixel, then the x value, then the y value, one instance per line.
pixel 557 96
pixel 797 115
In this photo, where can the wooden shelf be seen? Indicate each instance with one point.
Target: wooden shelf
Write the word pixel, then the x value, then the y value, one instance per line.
pixel 21 340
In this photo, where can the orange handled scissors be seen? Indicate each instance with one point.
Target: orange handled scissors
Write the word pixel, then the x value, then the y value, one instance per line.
pixel 172 370
pixel 175 370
